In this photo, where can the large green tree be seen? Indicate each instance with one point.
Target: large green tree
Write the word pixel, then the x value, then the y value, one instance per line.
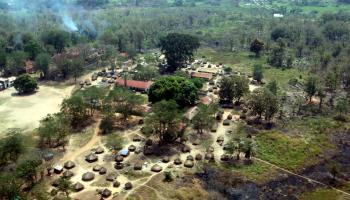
pixel 42 62
pixel 180 89
pixel 234 87
pixel 164 121
pixel 75 108
pixel 25 84
pixel 178 48
pixel 205 118
pixel 262 102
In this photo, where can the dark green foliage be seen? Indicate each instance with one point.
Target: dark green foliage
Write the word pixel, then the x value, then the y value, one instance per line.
pixel 273 87
pixel 107 124
pixel 42 62
pixel 168 176
pixel 146 73
pixel 27 170
pixel 10 187
pixel 262 102
pixel 178 48
pixel 311 86
pixel 280 32
pixel 11 147
pixel 25 84
pixel 180 89
pixel 164 121
pixel 58 39
pixel 32 48
pixel 234 87
pixel 205 118
pixel 3 59
pixel 256 46
pixel 75 108
pixel 258 73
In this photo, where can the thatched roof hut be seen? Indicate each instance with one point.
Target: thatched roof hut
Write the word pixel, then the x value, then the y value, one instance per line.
pixel 99 150
pixel 116 184
pixel 190 157
pixel 220 139
pixel 165 159
pixel 91 158
pixel 128 186
pixel 229 117
pixel 186 149
pixel 69 165
pixel 119 158
pixel 189 163
pixel 78 187
pixel 137 138
pixel 156 168
pixel 96 168
pixel 119 166
pixel 209 156
pixel 88 176
pixel 138 166
pixel 132 148
pixel 55 183
pixel 102 171
pixel 106 193
pixel 111 177
pixel 68 174
pixel 226 122
pixel 177 161
pixel 199 157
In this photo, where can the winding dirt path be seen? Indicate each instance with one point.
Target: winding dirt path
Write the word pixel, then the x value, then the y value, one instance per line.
pixel 301 176
pixel 95 138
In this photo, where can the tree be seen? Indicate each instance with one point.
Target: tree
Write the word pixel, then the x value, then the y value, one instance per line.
pixel 92 97
pixel 332 84
pixel 58 39
pixel 164 120
pixel 342 106
pixel 114 142
pixel 178 48
pixel 28 170
pixel 10 187
pixel 258 73
pixel 54 128
pixel 75 108
pixel 321 94
pixel 311 86
pixel 32 48
pixel 256 46
pixel 233 88
pixel 180 89
pixel 273 87
pixel 235 145
pixel 11 147
pixel 3 59
pixel 16 63
pixel 64 185
pixel 76 68
pixel 25 84
pixel 42 62
pixel 262 102
pixel 107 124
pixel 146 73
pixel 125 102
pixel 204 119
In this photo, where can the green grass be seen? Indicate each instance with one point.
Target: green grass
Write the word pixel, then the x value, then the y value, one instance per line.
pixel 292 153
pixel 324 194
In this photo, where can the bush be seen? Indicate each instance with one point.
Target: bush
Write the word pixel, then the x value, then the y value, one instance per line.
pixel 168 176
pixel 106 125
pixel 25 84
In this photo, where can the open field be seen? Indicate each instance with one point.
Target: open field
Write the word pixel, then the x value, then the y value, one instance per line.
pixel 25 112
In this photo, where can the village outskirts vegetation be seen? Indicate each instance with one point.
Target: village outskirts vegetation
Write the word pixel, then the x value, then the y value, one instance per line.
pixel 175 99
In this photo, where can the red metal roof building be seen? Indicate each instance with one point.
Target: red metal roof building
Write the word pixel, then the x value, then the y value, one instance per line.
pixel 132 84
pixel 203 75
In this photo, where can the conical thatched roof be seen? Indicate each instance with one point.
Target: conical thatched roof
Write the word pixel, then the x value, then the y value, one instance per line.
pixel 189 163
pixel 116 184
pixel 99 150
pixel 156 168
pixel 128 186
pixel 132 148
pixel 96 168
pixel 68 174
pixel 177 161
pixel 199 157
pixel 209 156
pixel 55 183
pixel 69 165
pixel 220 139
pixel 78 186
pixel 119 166
pixel 165 159
pixel 190 157
pixel 186 149
pixel 88 176
pixel 226 122
pixel 103 170
pixel 119 158
pixel 110 177
pixel 136 138
pixel 138 166
pixel 91 158
pixel 106 193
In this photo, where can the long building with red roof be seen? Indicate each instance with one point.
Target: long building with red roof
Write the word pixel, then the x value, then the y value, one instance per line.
pixel 135 85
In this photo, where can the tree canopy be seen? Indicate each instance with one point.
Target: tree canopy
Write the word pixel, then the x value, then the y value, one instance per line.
pixel 25 84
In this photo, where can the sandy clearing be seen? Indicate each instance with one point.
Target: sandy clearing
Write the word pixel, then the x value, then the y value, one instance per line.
pixel 25 112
